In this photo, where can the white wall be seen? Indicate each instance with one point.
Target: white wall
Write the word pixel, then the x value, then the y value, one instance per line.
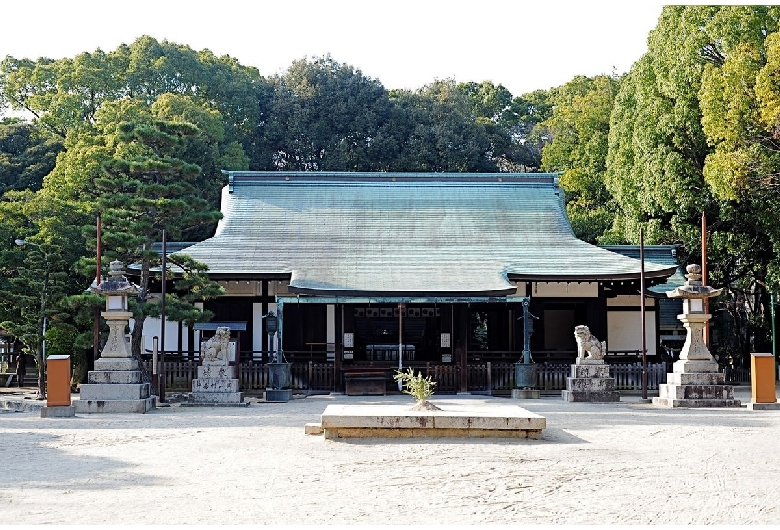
pixel 624 331
pixel 258 337
pixel 565 289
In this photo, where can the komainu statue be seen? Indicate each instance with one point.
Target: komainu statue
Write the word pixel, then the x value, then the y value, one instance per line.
pixel 588 344
pixel 216 349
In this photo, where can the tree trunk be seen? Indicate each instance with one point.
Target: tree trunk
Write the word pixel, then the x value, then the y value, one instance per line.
pixel 41 362
pixel 136 336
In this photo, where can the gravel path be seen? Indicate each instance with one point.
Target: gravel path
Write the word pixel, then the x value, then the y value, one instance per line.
pixel 623 463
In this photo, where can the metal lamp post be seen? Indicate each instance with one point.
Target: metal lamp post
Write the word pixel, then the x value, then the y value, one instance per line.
pixel 279 372
pixel 41 350
pixel 526 370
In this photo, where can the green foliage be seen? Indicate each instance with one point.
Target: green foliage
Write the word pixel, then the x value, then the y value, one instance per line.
pixel 148 188
pixel 692 131
pixel 417 386
pixel 323 115
pixel 27 154
pixel 579 128
pixel 37 276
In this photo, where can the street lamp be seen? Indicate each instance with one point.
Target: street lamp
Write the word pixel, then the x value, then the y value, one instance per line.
pixel 41 351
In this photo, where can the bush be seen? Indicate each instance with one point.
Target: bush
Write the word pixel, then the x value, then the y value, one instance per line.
pixel 417 386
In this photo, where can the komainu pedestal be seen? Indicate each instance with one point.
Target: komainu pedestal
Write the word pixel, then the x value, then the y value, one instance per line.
pixel 590 382
pixel 217 381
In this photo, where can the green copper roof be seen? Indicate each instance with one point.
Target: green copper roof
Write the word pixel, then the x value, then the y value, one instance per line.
pixel 662 254
pixel 403 233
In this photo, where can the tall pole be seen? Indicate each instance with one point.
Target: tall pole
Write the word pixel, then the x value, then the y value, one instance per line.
pixel 162 317
pixel 774 331
pixel 98 268
pixel 44 304
pixel 400 341
pixel 704 274
pixel 642 310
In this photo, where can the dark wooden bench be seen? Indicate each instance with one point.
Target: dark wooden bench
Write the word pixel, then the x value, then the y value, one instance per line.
pixel 365 382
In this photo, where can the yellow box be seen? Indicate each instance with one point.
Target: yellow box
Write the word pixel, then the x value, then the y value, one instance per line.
pixel 58 381
pixel 762 380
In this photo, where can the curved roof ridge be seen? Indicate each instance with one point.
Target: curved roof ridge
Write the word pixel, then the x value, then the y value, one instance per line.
pixel 364 232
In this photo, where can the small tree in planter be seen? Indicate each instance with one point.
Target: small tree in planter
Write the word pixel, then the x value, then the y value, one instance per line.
pixel 417 386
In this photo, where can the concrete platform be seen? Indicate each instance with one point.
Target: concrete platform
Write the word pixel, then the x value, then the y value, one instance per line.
pixel 399 421
pixel 61 411
pixel 278 396
pixel 89 406
pixel 764 406
pixel 526 393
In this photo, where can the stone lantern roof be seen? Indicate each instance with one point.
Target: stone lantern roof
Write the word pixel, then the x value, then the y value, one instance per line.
pixel 116 284
pixel 693 287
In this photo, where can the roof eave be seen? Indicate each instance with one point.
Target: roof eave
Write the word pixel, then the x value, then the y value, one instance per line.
pixel 652 275
pixel 401 294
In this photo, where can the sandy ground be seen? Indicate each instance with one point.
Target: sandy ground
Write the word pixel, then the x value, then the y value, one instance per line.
pixel 624 463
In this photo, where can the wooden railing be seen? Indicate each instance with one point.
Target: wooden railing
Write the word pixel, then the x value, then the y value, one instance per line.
pixel 489 377
pixel 253 377
pixel 446 377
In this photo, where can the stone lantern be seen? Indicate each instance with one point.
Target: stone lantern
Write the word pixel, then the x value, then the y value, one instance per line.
pixel 695 380
pixel 116 289
pixel 116 384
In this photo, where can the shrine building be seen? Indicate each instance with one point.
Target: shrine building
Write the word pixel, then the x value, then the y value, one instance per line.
pixel 359 267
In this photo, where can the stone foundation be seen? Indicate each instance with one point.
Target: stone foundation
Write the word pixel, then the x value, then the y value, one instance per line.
pixel 394 421
pixel 695 389
pixel 115 386
pixel 60 411
pixel 216 385
pixel 590 382
pixel 278 396
pixel 525 393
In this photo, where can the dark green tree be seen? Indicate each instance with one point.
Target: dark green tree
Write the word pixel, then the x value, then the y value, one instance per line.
pixel 324 115
pixel 26 155
pixel 434 129
pixel 579 129
pixel 680 132
pixel 36 273
pixel 147 188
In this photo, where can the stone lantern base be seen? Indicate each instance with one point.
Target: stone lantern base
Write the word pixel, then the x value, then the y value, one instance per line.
pixel 115 386
pixel 689 389
pixel 695 380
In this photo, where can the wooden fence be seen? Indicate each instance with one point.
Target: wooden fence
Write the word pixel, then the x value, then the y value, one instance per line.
pixel 499 378
pixel 253 377
pixel 489 378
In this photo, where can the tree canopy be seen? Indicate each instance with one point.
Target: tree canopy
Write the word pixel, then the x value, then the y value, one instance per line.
pixel 692 132
pixel 140 135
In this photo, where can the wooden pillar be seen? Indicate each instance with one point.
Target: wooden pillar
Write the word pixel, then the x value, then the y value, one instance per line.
pixel 264 357
pixel 460 331
pixel 339 355
pixel 279 321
